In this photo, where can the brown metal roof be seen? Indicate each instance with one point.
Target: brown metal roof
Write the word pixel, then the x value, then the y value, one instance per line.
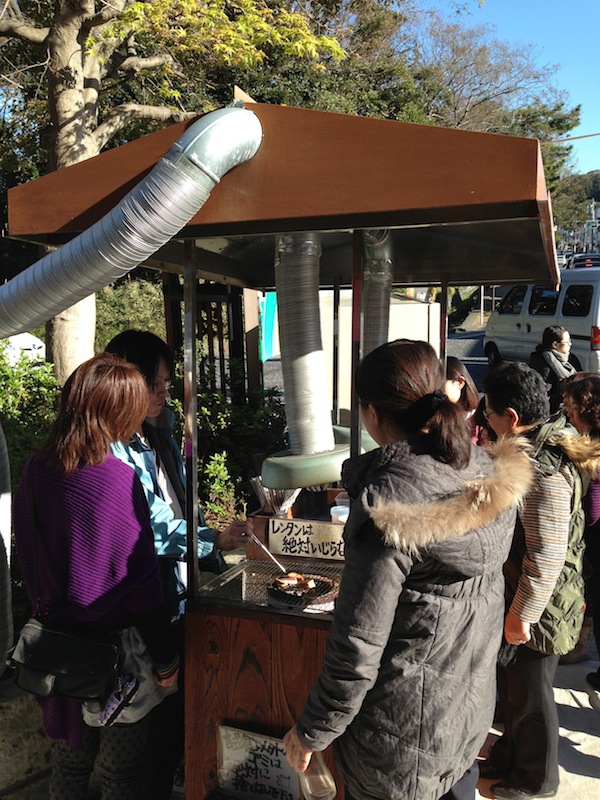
pixel 464 207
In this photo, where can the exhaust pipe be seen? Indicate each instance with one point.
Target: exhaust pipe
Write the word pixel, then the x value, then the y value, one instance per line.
pixel 145 219
pixel 378 276
pixel 314 458
pixel 297 261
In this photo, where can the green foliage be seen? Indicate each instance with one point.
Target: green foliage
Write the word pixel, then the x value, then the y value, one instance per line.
pixel 27 407
pixel 127 304
pixel 569 202
pixel 221 32
pixel 232 439
pixel 221 503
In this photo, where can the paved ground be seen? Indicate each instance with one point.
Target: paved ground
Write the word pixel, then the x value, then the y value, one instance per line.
pixel 579 750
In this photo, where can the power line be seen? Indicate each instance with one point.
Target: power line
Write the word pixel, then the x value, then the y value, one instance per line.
pixel 574 138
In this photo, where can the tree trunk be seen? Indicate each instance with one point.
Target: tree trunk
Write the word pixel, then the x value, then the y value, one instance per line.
pixel 70 337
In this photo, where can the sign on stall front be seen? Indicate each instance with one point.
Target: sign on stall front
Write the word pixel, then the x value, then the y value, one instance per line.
pixel 252 765
pixel 306 537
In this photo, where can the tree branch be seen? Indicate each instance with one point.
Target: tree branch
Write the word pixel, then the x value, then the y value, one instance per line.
pixel 14 23
pixel 135 64
pixel 110 11
pixel 127 112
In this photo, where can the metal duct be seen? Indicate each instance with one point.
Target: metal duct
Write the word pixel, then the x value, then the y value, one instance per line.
pixel 378 275
pixel 297 260
pixel 145 219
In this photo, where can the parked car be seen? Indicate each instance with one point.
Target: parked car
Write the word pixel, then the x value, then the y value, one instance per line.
pixel 516 326
pixel 24 344
pixel 585 260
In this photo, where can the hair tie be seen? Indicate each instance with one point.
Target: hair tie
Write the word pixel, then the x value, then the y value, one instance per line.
pixel 423 409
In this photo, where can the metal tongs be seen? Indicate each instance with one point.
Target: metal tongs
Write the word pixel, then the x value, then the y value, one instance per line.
pixel 257 541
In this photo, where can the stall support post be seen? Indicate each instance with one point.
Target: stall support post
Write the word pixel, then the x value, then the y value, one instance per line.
pixel 444 320
pixel 358 249
pixel 335 405
pixel 190 407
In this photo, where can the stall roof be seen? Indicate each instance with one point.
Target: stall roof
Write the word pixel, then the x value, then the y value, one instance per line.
pixel 462 207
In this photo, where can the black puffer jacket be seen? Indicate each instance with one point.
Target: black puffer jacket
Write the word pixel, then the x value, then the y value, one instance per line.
pixel 408 680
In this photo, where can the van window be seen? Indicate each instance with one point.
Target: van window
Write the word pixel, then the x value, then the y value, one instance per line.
pixel 543 301
pixel 578 301
pixel 513 302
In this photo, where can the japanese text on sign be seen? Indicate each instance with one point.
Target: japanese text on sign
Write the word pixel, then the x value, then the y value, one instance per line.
pixel 305 537
pixel 251 765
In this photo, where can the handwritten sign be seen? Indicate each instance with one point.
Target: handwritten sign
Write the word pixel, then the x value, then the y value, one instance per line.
pixel 306 537
pixel 252 765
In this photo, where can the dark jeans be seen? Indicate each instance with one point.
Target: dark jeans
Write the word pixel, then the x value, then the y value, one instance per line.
pixel 527 753
pixel 117 752
pixel 167 734
pixel 464 789
pixel 592 554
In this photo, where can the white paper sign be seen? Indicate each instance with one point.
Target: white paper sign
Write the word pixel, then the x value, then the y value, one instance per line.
pixel 306 537
pixel 252 765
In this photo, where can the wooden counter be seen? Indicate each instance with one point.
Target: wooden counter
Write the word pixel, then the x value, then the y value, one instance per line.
pixel 251 669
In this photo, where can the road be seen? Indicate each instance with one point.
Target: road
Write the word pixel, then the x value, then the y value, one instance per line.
pixel 468 347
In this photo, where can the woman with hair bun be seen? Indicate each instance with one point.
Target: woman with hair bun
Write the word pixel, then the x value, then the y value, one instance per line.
pixel 407 688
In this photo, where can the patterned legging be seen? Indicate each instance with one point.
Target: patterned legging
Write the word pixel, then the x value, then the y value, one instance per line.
pixel 116 752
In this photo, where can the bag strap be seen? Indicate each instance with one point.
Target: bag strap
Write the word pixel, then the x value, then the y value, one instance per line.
pixel 34 534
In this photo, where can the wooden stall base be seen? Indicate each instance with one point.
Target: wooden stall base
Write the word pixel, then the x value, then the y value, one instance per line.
pixel 250 670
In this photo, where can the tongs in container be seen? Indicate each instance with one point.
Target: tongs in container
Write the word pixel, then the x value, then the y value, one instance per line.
pixel 257 541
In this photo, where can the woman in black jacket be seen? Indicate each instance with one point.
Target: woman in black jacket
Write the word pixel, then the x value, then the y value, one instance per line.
pixel 555 362
pixel 407 687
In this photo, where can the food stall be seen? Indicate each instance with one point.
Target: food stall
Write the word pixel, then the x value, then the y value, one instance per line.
pixel 438 207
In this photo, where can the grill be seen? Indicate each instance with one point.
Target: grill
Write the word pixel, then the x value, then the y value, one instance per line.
pixel 246 584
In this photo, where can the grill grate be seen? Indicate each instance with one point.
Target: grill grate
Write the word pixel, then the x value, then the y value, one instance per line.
pixel 247 584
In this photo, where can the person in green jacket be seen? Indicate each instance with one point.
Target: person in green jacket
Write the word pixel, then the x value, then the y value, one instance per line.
pixel 544 585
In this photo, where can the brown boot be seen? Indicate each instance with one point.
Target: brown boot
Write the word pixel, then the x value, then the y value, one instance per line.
pixel 580 652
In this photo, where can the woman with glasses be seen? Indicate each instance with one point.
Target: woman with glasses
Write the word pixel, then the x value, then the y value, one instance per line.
pixel 555 362
pixel 155 456
pixel 407 688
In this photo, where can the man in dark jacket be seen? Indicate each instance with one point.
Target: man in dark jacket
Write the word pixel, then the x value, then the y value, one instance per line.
pixel 544 586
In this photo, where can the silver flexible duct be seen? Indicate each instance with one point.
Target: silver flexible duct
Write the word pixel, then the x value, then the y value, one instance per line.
pixel 378 275
pixel 145 219
pixel 308 414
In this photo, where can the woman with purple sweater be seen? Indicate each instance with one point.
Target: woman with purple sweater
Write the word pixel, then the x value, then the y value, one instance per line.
pixel 581 401
pixel 96 561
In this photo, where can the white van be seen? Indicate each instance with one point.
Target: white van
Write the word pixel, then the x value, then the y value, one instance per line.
pixel 516 326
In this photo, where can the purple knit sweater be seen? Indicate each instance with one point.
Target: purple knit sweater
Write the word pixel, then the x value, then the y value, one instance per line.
pixel 97 563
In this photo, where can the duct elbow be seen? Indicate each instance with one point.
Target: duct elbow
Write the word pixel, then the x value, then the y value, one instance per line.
pixel 217 142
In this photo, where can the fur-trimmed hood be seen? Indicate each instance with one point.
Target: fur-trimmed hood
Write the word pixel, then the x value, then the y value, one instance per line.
pixel 583 450
pixel 463 501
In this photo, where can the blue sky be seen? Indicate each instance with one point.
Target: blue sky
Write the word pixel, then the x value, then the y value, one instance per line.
pixel 562 32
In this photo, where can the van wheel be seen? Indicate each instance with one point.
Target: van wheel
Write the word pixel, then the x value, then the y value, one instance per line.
pixel 492 354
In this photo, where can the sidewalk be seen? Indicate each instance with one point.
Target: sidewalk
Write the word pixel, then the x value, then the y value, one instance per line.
pixel 579 746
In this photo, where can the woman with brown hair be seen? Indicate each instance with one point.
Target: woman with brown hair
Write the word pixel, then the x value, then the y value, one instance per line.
pixel 460 386
pixel 581 401
pixel 407 688
pixel 95 562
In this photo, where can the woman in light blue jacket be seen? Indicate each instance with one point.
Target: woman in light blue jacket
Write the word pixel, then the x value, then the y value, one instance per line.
pixel 155 457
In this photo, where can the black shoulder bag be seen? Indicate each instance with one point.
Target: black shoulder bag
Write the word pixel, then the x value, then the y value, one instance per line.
pixel 52 660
